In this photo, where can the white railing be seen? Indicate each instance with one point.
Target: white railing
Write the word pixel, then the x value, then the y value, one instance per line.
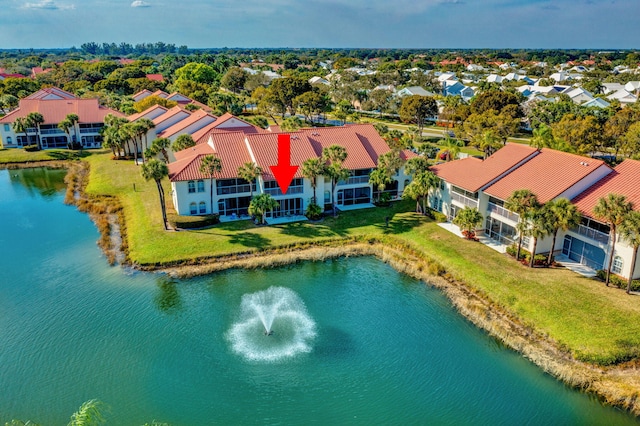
pixel 465 201
pixel 291 190
pixel 598 236
pixel 501 211
pixel 354 180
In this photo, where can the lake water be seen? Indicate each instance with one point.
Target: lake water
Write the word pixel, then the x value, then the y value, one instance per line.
pixel 387 348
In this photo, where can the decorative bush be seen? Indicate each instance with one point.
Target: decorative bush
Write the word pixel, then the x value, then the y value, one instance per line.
pixel 31 148
pixel 618 281
pixel 192 222
pixel 314 211
pixel 384 200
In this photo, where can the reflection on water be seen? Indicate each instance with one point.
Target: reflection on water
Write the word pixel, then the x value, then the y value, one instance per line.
pixel 41 180
pixel 167 298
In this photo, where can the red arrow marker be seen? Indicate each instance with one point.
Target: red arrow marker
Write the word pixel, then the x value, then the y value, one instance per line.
pixel 284 171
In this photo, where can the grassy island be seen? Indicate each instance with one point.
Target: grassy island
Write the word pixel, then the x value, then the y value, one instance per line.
pixel 585 333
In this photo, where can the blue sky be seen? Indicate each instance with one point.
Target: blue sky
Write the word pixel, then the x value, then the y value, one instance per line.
pixel 324 23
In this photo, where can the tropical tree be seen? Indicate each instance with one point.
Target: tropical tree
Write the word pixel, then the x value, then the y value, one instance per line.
pixel 539 227
pixel 311 169
pixel 612 209
pixel 210 166
pixel 8 102
pixel 35 119
pixel 20 125
pixel 379 178
pixel 249 172
pixel 561 215
pixel 521 201
pixel 420 187
pixel 291 124
pixel 157 170
pixel 468 219
pixel 143 125
pixel 630 232
pixel 260 205
pixel 67 124
pixel 183 142
pixel 450 148
pixel 89 414
pixel 333 156
pixel 417 109
pixel 542 137
pixel 159 145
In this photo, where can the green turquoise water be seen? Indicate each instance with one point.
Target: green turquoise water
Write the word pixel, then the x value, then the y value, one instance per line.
pixel 387 349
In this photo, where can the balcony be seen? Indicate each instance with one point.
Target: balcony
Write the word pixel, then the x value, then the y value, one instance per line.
pixel 235 189
pixel 465 201
pixel 501 211
pixel 598 236
pixel 354 180
pixel 274 192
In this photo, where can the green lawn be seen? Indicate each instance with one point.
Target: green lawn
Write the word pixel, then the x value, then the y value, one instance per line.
pixel 19 155
pixel 594 322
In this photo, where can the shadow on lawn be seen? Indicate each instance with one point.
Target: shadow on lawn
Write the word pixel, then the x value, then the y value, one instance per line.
pixel 250 239
pixel 309 230
pixel 68 155
pixel 401 224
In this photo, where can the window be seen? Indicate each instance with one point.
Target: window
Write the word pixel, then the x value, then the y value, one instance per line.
pixel 202 207
pixel 441 185
pixel 6 127
pixel 9 141
pixel 200 185
pixel 192 187
pixel 617 265
pixel 193 208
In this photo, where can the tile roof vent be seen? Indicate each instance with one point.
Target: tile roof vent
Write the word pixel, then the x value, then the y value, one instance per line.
pixel 584 163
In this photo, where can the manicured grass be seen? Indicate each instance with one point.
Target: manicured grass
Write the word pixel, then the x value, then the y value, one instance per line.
pixel 593 322
pixel 19 155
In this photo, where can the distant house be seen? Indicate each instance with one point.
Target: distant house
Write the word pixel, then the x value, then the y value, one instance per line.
pixel 597 103
pixel 623 96
pixel 318 80
pixel 155 77
pixel 55 104
pixel 578 95
pixel 456 88
pixel 413 90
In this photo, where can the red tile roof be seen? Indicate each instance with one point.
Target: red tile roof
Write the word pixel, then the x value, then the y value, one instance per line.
pixel 202 135
pixel 623 180
pixel 547 175
pixel 51 92
pixel 145 92
pixel 152 108
pixel 358 156
pixel 155 77
pixel 231 149
pixel 473 174
pixel 54 111
pixel 265 149
pixel 195 117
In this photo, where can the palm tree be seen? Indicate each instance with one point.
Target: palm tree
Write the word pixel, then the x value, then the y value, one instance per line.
pixel 211 165
pixel 468 219
pixel 334 156
pixel 521 202
pixel 420 187
pixel 261 204
pixel 451 147
pixel 539 227
pixel 65 125
pixel 35 119
pixel 249 172
pixel 562 215
pixel 613 210
pixel 630 232
pixel 89 414
pixel 20 125
pixel 143 125
pixel 311 169
pixel 379 178
pixel 160 145
pixel 157 171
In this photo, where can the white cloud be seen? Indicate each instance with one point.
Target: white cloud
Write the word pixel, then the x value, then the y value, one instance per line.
pixel 48 5
pixel 140 3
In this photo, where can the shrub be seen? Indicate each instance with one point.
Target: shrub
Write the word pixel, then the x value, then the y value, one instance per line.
pixel 618 281
pixel 384 200
pixel 314 211
pixel 31 148
pixel 192 222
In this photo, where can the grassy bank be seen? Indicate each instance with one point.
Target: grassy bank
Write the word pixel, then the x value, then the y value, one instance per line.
pixel 581 317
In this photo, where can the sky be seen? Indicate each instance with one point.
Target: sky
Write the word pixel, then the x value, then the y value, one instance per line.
pixel 593 24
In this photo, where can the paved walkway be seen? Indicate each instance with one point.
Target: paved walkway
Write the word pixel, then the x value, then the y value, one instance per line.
pixel 355 207
pixel 575 266
pixel 285 219
pixel 500 248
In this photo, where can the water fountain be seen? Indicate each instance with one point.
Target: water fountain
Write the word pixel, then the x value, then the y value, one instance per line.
pixel 277 313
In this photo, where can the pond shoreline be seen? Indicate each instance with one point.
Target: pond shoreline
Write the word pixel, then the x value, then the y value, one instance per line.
pixel 617 385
